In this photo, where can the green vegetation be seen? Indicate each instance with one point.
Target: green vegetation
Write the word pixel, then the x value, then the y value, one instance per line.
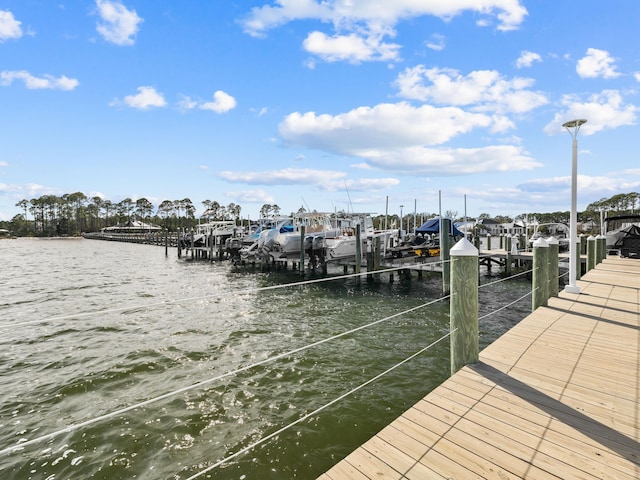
pixel 75 213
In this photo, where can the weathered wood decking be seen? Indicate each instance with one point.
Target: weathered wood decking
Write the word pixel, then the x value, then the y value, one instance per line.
pixel 555 397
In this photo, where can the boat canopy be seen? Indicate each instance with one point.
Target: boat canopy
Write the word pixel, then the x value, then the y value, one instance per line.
pixel 433 226
pixel 626 240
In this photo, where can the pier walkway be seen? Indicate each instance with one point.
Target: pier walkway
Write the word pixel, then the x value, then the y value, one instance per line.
pixel 555 397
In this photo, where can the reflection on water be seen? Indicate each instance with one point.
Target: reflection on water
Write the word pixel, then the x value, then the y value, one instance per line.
pixel 92 327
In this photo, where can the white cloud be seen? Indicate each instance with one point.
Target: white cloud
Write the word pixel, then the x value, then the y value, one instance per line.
pixel 527 58
pixel 342 13
pixel 119 25
pixel 436 43
pixel 4 164
pixel 400 137
pixel 453 161
pixel 222 102
pixel 28 190
pixel 596 63
pixel 186 103
pixel 605 110
pixel 384 126
pixel 368 184
pixel 352 48
pixel 32 82
pixel 637 76
pixel 251 196
pixel 287 176
pixel 361 166
pixel 553 193
pixel 325 180
pixel 361 25
pixel 9 26
pixel 484 90
pixel 146 98
pixel 589 186
pixel 260 112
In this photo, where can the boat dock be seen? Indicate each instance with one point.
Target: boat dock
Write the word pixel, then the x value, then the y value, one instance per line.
pixel 556 397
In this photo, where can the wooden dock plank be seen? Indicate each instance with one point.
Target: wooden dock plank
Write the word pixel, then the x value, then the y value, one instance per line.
pixel 555 397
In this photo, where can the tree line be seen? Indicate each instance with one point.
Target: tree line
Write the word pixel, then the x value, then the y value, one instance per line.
pixel 75 213
pixel 618 204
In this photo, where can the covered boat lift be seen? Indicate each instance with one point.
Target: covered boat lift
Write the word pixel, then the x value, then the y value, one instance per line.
pixel 625 239
pixel 432 226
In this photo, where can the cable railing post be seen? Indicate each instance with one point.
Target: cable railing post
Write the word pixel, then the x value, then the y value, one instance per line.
pixel 591 252
pixel 540 283
pixel 601 248
pixel 578 259
pixel 554 249
pixel 464 305
pixel 445 247
pixel 166 243
pixel 507 258
pixel 358 265
pixel 377 253
pixel 302 233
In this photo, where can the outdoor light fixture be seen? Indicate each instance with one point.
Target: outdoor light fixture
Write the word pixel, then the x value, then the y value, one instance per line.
pixel 573 127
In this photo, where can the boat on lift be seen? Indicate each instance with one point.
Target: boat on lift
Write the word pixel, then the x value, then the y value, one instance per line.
pixel 623 235
pixel 560 231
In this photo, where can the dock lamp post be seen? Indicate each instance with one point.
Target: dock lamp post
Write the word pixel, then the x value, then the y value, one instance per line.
pixel 573 127
pixel 401 206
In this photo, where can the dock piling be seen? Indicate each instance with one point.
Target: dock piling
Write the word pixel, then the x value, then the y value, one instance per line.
pixel 601 248
pixel 358 265
pixel 591 252
pixel 540 284
pixel 302 232
pixel 554 273
pixel 445 246
pixel 464 305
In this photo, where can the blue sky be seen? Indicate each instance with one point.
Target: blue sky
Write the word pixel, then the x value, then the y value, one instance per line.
pixel 334 104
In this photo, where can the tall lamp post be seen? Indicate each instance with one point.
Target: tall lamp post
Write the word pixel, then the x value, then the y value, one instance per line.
pixel 401 236
pixel 573 127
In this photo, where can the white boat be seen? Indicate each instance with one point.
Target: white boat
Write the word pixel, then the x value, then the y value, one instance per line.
pixel 219 230
pixel 288 241
pixel 560 231
pixel 259 244
pixel 344 246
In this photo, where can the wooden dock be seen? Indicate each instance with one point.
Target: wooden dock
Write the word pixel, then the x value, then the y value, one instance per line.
pixel 556 397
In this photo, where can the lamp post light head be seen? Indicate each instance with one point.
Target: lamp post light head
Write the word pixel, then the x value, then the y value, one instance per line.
pixel 575 124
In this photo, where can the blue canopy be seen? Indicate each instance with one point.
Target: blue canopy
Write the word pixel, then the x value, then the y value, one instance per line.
pixel 433 226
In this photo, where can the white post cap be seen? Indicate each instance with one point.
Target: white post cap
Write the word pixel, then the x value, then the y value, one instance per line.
pixel 464 248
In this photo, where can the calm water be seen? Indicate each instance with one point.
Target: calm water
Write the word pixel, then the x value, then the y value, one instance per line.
pixel 90 327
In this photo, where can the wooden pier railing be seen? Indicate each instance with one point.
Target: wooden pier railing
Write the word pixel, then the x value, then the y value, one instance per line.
pixel 555 397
